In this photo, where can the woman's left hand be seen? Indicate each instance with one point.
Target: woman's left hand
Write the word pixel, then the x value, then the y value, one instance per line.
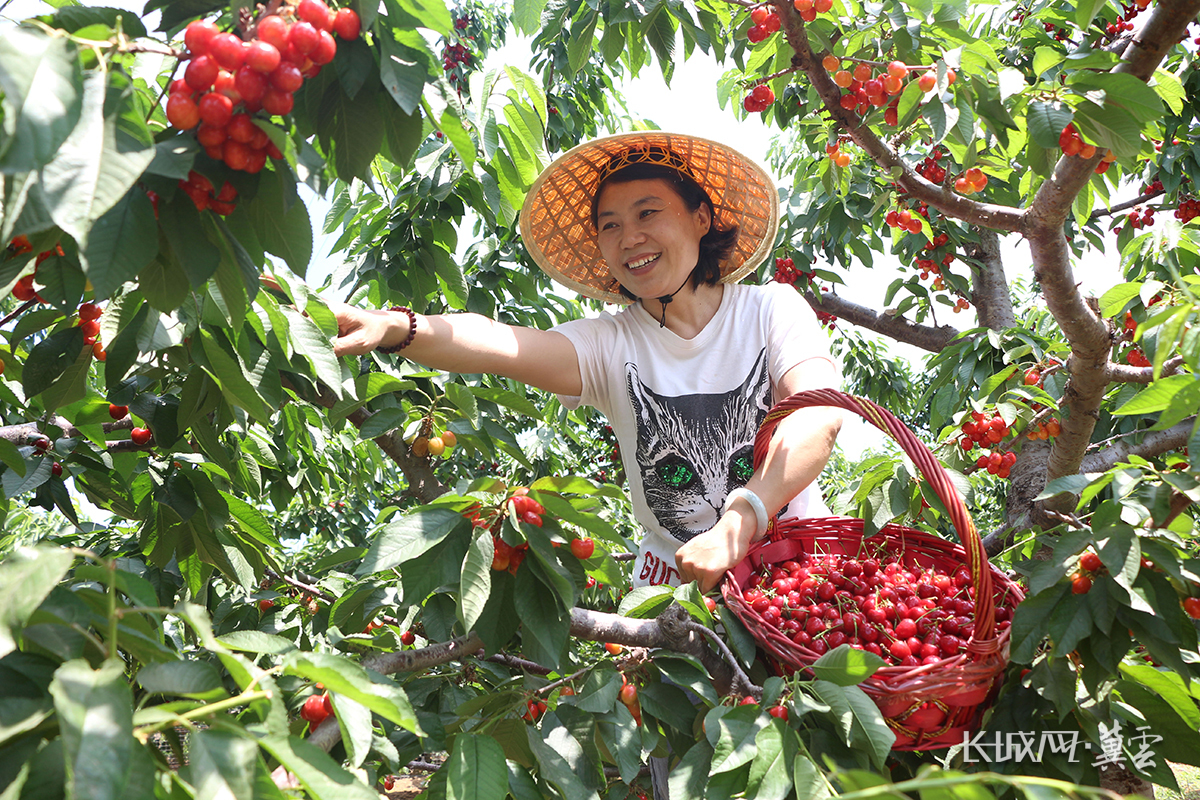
pixel 705 557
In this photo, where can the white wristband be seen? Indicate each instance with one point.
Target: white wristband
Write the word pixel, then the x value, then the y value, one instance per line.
pixel 760 510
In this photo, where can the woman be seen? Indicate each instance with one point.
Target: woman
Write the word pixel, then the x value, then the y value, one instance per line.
pixel 685 374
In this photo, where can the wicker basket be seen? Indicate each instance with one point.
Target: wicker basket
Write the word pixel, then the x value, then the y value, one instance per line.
pixel 928 706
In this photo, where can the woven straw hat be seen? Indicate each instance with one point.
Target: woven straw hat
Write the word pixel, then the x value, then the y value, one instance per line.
pixel 556 223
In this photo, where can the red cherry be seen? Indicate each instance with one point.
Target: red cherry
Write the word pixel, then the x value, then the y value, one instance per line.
pixel 215 109
pixel 90 327
pixel 286 77
pixel 182 112
pixel 314 711
pixel 226 85
pixel 1090 562
pixel 274 31
pixel 200 73
pixel 1081 584
pixel 262 57
pixel 315 12
pixel 265 605
pixel 1191 607
pixel 211 135
pixel 237 155
pixel 582 548
pixel 278 103
pixel 250 84
pixel 198 35
pixel 258 160
pixel 927 81
pixel 325 50
pixel 56 470
pixel 241 128
pixel 346 24
pixel 90 311
pixel 118 412
pixel 407 638
pixel 228 51
pixel 628 694
pixel 141 436
pixel 303 37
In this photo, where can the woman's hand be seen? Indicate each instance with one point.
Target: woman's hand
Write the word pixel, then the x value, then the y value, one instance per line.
pixel 707 556
pixel 361 330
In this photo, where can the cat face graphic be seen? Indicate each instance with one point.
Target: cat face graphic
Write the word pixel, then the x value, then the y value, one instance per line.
pixel 692 450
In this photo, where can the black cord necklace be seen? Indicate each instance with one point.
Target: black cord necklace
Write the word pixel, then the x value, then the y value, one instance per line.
pixel 666 299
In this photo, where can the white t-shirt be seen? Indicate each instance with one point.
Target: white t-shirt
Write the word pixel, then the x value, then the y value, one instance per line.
pixel 685 411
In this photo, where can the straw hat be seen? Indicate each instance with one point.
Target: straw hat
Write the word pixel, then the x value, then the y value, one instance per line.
pixel 556 223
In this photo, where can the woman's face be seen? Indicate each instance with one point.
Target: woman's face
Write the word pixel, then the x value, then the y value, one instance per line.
pixel 648 237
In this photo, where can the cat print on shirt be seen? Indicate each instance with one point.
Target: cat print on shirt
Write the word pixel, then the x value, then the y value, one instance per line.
pixel 693 450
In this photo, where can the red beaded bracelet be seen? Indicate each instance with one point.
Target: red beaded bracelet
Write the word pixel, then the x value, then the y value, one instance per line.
pixel 412 331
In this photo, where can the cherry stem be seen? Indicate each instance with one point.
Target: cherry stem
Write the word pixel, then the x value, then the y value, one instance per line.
pixel 771 77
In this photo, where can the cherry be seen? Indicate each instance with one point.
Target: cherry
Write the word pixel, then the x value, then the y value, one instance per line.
pixel 198 35
pixel 1191 606
pixel 211 135
pixel 42 443
pixel 227 50
pixel 56 470
pixel 274 31
pixel 927 81
pixel 303 37
pixel 265 605
pixel 236 154
pixel 407 638
pixel 314 710
pixel 613 648
pixel 262 57
pixel 1080 583
pixel 200 73
pixel 182 112
pixel 141 436
pixel 215 109
pixel 277 103
pixel 314 12
pixel 1090 562
pixel 241 128
pixel 286 77
pixel 98 352
pixel 325 50
pixel 582 548
pixel 251 85
pixel 346 24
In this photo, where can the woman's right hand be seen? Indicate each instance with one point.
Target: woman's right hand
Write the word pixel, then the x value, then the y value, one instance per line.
pixel 361 330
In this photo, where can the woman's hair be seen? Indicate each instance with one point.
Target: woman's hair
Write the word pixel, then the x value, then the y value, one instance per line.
pixel 715 246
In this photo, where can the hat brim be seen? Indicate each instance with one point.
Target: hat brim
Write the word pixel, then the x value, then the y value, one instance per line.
pixel 556 224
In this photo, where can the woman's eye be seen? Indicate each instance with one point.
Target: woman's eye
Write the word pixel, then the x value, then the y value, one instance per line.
pixel 647 212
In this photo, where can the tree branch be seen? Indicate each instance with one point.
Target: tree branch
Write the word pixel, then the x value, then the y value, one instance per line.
pixel 892 325
pixel 1146 444
pixel 1128 204
pixel 1124 373
pixel 993 303
pixel 26 432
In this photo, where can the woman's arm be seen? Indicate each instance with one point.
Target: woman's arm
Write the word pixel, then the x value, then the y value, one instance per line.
pixel 799 449
pixel 467 343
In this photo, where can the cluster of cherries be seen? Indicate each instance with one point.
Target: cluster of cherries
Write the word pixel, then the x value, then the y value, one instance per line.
pixel 228 80
pixel 766 22
pixel 434 445
pixel 454 55
pixel 837 155
pixel 1141 217
pixel 929 169
pixel 1072 144
pixel 200 189
pixel 23 290
pixel 614 455
pixel 1188 210
pixel 808 9
pixel 863 89
pixel 987 430
pixel 628 695
pixel 786 272
pixel 971 181
pixel 42 445
pixel 906 614
pixel 759 98
pixel 905 219
pixel 1137 358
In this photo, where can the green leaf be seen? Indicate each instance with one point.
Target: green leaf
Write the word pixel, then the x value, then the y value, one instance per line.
pixel 193 251
pixel 735 734
pixel 354 64
pixel 121 243
pixel 1169 90
pixel 769 779
pixel 16 484
pixel 476 585
pixel 1117 297
pixel 527 14
pixel 257 642
pixel 26 578
pixel 50 358
pixel 476 769
pixel 859 718
pixel 1157 396
pixel 43 96
pixel 1121 90
pixel 431 14
pixel 847 666
pixel 11 457
pixel 320 775
pixel 345 676
pixel 95 718
pixel 542 618
pixel 1046 122
pixel 403 75
pixel 691 774
pixel 196 679
pixel 317 349
pixel 354 719
pixel 227 371
pixel 221 765
pixel 1085 12
pixel 408 537
pixel 1043 59
pixel 97 164
pixel 283 230
pixel 1109 127
pixel 503 397
pixel 556 754
pixel 580 44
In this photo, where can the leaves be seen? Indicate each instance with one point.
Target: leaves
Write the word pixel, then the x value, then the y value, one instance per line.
pixel 475 769
pixel 344 676
pixel 43 97
pixel 26 578
pixel 408 537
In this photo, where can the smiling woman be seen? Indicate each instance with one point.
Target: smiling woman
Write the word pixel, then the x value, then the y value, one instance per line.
pixel 665 224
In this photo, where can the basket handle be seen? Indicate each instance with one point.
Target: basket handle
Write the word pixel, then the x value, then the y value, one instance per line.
pixel 930 468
